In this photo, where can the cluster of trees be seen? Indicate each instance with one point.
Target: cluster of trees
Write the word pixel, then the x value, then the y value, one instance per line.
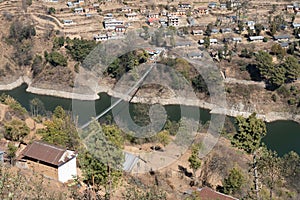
pixel 16 130
pixel 126 63
pixel 277 74
pixel 56 59
pixel 61 130
pixel 276 24
pixel 20 37
pixel 79 48
pixel 102 160
pixel 267 167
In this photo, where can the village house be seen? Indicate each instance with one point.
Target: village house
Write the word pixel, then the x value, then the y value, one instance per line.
pixel 211 41
pixel 108 16
pixel 101 37
pixel 195 55
pixel 131 16
pixel 120 29
pixel 95 7
pixel 207 193
pixel 52 1
pixel 68 22
pixel 212 5
pixel 70 4
pixel 126 9
pixel 197 32
pixel 233 3
pixel 202 11
pixel 185 6
pixel 250 24
pixel 183 44
pixel 223 6
pixel 180 12
pixel 163 22
pixel 282 37
pixel 237 39
pixel 152 21
pixel 214 31
pixel 50 160
pixel 226 30
pixel 173 21
pixel 78 10
pixel 296 25
pixel 290 8
pixel 256 38
pixel 112 23
pixel 153 15
pixel 284 45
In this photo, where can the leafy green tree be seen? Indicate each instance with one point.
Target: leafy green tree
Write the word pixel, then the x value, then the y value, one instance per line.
pixel 37 107
pixel 277 50
pixel 103 166
pixel 209 28
pixel 51 11
pixel 37 65
pixel 292 67
pixel 194 160
pixel 61 130
pixel 269 165
pixel 233 182
pixel 258 28
pixel 277 76
pixel 248 137
pixel 20 31
pixel 58 42
pixel 11 153
pixel 206 42
pixel 80 48
pixel 163 137
pixel 55 59
pixel 264 63
pixel 16 130
pixel 291 169
pixel 199 84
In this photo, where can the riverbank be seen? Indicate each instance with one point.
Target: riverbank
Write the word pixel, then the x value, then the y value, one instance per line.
pixel 268 117
pixel 49 92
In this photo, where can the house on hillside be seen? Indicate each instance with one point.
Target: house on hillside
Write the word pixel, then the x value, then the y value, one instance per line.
pixel 185 6
pixel 207 193
pixel 282 37
pixel 256 38
pixel 50 160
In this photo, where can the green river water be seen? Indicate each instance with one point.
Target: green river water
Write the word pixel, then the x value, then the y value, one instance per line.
pixel 282 136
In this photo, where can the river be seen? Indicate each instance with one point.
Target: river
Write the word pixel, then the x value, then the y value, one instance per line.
pixel 282 136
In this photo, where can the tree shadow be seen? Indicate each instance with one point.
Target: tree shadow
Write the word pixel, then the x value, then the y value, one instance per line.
pixel 254 72
pixel 185 171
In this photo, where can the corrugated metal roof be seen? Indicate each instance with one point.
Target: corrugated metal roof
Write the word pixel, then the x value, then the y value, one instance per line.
pixel 209 194
pixel 130 161
pixel 47 153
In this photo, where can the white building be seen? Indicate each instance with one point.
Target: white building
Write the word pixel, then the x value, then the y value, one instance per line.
pixel 131 16
pixel 112 23
pixel 173 21
pixel 51 161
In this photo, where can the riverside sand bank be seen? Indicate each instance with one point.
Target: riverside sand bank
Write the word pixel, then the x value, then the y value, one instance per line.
pixel 268 117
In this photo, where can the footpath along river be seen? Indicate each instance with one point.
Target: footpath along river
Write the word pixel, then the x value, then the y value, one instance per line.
pixel 283 136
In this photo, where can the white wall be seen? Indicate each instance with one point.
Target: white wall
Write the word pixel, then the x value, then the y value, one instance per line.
pixel 67 170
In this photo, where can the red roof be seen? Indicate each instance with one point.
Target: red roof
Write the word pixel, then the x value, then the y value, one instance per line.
pixel 151 20
pixel 47 153
pixel 209 194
